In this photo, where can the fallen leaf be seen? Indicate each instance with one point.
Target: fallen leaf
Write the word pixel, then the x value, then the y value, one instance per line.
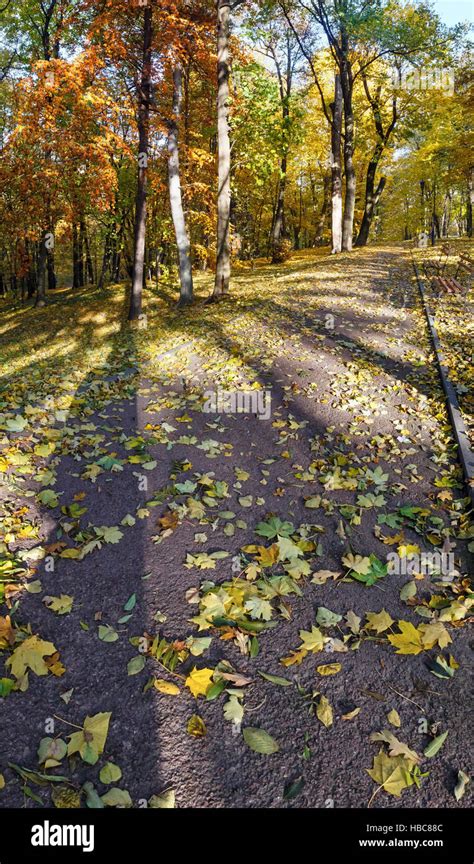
pixel 396 747
pixel 435 745
pixel 329 669
pixel 165 801
pixel 196 726
pixel 166 687
pixel 260 741
pixel 89 742
pixel 30 655
pixel 461 784
pixel 199 681
pixel 324 712
pixel 110 773
pixel 393 717
pixel 409 640
pixel 391 773
pixel 351 714
pixel 117 798
pixel 379 621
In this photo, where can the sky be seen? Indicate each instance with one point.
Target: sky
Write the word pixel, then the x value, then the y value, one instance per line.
pixel 453 11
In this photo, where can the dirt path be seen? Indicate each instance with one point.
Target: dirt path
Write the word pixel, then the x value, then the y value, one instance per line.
pixel 343 349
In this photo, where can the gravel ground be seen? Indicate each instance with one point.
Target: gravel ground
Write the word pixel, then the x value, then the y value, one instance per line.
pixel 368 373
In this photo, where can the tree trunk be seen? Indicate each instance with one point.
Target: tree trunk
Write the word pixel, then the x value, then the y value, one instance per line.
pixel 279 221
pixel 372 196
pixel 470 204
pixel 176 200
pixel 88 274
pixel 349 170
pixel 324 209
pixel 143 138
pixel 105 263
pixel 41 277
pixel 336 168
pixel 76 268
pixel 52 282
pixel 222 280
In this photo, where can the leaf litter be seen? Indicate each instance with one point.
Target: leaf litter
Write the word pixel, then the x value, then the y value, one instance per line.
pixel 268 560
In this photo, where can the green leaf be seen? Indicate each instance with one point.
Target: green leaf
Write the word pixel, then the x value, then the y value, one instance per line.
pixel 274 526
pixel 112 534
pixel 408 591
pixel 117 798
pixel 293 789
pixel 435 745
pixel 16 423
pixel 326 618
pixel 53 749
pixel 276 679
pixel 215 690
pixel 233 711
pixel 136 664
pixel 6 686
pixel 130 604
pixel 107 633
pixel 260 741
pixel 92 798
pixel 110 773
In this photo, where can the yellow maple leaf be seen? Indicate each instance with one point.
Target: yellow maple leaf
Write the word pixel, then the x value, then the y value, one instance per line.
pixel 361 564
pixel 391 541
pixel 379 621
pixel 7 633
pixel 30 655
pixel 199 681
pixel 407 549
pixel 434 634
pixel 408 641
pixel 392 773
pixel 295 658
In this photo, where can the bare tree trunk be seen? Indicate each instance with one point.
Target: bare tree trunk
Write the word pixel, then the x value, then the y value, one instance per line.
pixel 176 200
pixel 470 203
pixel 76 275
pixel 221 285
pixel 87 268
pixel 143 142
pixel 372 194
pixel 336 168
pixel 324 209
pixel 41 276
pixel 278 224
pixel 105 263
pixel 349 170
pixel 52 281
pixel 372 197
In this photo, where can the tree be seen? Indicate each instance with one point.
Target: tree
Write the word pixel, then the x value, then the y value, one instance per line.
pixel 383 133
pixel 143 123
pixel 222 280
pixel 176 201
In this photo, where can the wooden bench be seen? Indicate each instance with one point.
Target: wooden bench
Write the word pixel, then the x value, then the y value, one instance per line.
pixel 441 282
